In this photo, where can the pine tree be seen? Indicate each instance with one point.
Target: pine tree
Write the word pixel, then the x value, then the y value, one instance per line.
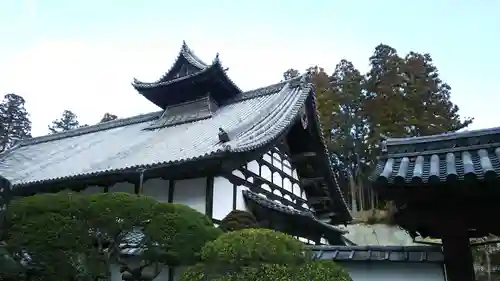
pixel 67 122
pixel 108 117
pixel 14 121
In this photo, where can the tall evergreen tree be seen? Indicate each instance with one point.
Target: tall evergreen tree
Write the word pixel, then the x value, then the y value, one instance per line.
pixel 398 97
pixel 407 97
pixel 67 122
pixel 14 121
pixel 386 104
pixel 428 98
pixel 350 129
pixel 108 117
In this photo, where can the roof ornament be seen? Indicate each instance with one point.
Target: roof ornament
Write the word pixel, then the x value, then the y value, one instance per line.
pixel 216 59
pixel 223 135
pixel 184 45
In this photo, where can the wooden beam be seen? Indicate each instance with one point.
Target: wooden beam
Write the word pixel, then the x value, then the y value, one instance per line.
pixel 303 156
pixel 311 181
pixel 317 200
pixel 456 249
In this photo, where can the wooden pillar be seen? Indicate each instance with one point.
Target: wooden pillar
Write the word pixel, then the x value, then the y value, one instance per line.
pixel 457 252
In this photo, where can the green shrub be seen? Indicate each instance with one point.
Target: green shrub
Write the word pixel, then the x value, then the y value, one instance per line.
pixel 262 272
pixel 261 254
pixel 58 231
pixel 238 220
pixel 250 246
pixel 180 232
pixel 66 204
pixel 309 271
pixel 321 271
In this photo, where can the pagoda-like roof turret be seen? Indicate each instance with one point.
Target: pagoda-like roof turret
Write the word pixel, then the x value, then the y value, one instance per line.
pixel 189 79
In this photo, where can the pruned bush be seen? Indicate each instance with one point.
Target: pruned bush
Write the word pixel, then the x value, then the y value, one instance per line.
pixel 238 220
pixel 261 254
pixel 261 272
pixel 68 235
pixel 180 232
pixel 320 270
pixel 248 246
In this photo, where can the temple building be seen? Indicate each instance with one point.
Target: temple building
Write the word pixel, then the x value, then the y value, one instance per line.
pixel 211 146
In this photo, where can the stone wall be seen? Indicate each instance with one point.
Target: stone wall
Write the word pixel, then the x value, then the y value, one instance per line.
pixel 378 234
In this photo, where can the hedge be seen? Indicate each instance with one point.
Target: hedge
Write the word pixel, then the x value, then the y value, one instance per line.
pixel 261 254
pixel 248 246
pixel 238 220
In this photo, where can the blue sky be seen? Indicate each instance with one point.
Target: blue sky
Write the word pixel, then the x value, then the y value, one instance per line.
pixel 82 55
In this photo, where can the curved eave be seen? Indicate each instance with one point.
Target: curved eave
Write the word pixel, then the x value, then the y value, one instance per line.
pixel 186 55
pixel 215 67
pixel 225 77
pixel 280 114
pixel 189 55
pixel 268 204
pixel 331 180
pixel 139 85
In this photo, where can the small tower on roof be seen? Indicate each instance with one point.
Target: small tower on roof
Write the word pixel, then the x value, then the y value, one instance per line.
pixel 189 79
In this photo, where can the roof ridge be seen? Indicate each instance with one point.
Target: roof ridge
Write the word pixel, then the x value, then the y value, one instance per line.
pixel 192 57
pixel 444 136
pixel 91 129
pixel 185 52
pixel 270 89
pixel 252 120
pixel 392 248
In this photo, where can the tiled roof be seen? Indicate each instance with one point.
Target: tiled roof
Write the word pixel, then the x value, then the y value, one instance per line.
pixel 125 145
pixel 379 253
pixel 186 112
pixel 200 69
pixel 263 201
pixel 441 158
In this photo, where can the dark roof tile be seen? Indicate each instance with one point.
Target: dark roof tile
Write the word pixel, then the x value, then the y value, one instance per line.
pixel 441 158
pixel 267 203
pixel 416 254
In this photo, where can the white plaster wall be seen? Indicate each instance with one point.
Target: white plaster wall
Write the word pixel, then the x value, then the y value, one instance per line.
pixel 223 197
pixel 394 271
pixel 274 159
pixel 122 187
pixel 240 200
pixel 92 190
pixel 191 192
pixel 156 188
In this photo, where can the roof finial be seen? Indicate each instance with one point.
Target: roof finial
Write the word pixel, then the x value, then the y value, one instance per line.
pixel 184 45
pixel 216 59
pixel 223 135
